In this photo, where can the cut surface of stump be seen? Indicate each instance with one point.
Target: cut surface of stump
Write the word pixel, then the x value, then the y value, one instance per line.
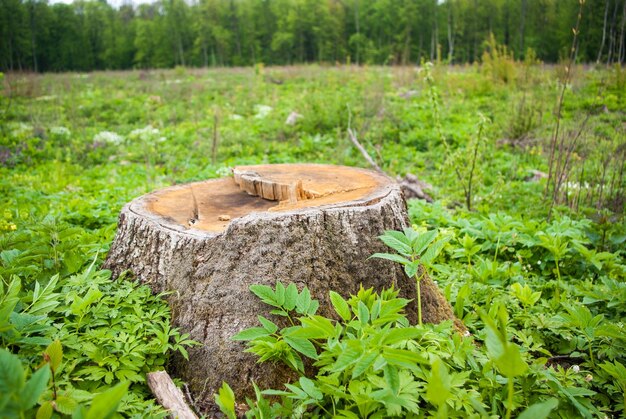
pixel 207 242
pixel 211 205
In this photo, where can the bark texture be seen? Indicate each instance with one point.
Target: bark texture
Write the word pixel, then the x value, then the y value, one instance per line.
pixel 324 248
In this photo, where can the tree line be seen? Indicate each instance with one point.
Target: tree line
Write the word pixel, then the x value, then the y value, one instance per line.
pixel 93 35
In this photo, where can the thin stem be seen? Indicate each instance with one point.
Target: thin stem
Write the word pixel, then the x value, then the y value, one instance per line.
pixel 593 362
pixel 419 302
pixel 509 407
pixel 495 256
pixel 558 276
pixel 559 107
pixel 468 196
pixel 54 385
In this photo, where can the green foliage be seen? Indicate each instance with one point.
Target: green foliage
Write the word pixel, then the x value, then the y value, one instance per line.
pixel 498 62
pixel 20 396
pixel 74 148
pixel 372 363
pixel 101 36
pixel 226 401
pixel 415 250
pixel 93 332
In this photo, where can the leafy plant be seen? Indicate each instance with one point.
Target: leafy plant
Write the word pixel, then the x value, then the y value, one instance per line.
pixel 414 250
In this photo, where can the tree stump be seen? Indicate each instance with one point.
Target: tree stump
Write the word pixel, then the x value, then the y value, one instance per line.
pixel 207 242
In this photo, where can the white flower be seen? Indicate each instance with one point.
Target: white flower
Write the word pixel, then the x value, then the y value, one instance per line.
pixel 576 368
pixel 236 117
pixel 262 111
pixel 538 262
pixel 147 134
pixel 21 129
pixel 108 137
pixel 60 132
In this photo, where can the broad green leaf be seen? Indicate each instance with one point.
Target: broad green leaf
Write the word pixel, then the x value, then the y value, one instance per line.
pixel 45 411
pixel 400 334
pixel 297 391
pixel 341 306
pixel 439 386
pixel 34 387
pixel 429 256
pixel 104 405
pixel 348 357
pixel 404 358
pixel 267 324
pixel 411 269
pixel 302 345
pixel 313 306
pixel 291 296
pixel 225 399
pixel 411 235
pixel 397 241
pixel 280 294
pixel 55 354
pixel 251 333
pixel 539 410
pixel 364 363
pixel 392 257
pixel 309 387
pixel 66 405
pixel 363 313
pixel 391 378
pixel 265 293
pixel 510 363
pixel 315 327
pixel 9 300
pixel 303 301
pixel 421 242
pixel 11 372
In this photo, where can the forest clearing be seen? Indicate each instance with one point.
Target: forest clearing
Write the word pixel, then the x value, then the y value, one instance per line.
pixel 525 238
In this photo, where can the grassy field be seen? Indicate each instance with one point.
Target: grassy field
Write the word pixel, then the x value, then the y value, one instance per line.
pixel 544 240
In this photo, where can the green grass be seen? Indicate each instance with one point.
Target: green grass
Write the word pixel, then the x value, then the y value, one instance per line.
pixel 63 181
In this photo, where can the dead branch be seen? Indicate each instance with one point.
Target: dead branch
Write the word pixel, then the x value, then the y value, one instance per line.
pixel 169 396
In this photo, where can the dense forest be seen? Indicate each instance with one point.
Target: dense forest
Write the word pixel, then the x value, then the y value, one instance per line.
pixel 93 35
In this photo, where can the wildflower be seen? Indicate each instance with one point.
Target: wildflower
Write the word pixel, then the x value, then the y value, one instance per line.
pixel 576 368
pixel 147 134
pixel 588 378
pixel 262 111
pixel 538 262
pixel 108 137
pixel 60 132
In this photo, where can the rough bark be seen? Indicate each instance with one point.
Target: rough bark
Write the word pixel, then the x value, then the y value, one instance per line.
pixel 208 273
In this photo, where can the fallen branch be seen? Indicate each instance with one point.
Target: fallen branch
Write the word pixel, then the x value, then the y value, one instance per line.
pixel 169 396
pixel 411 186
pixel 363 151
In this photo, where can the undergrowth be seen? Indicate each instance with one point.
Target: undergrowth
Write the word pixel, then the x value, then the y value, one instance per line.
pixel 546 336
pixel 74 148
